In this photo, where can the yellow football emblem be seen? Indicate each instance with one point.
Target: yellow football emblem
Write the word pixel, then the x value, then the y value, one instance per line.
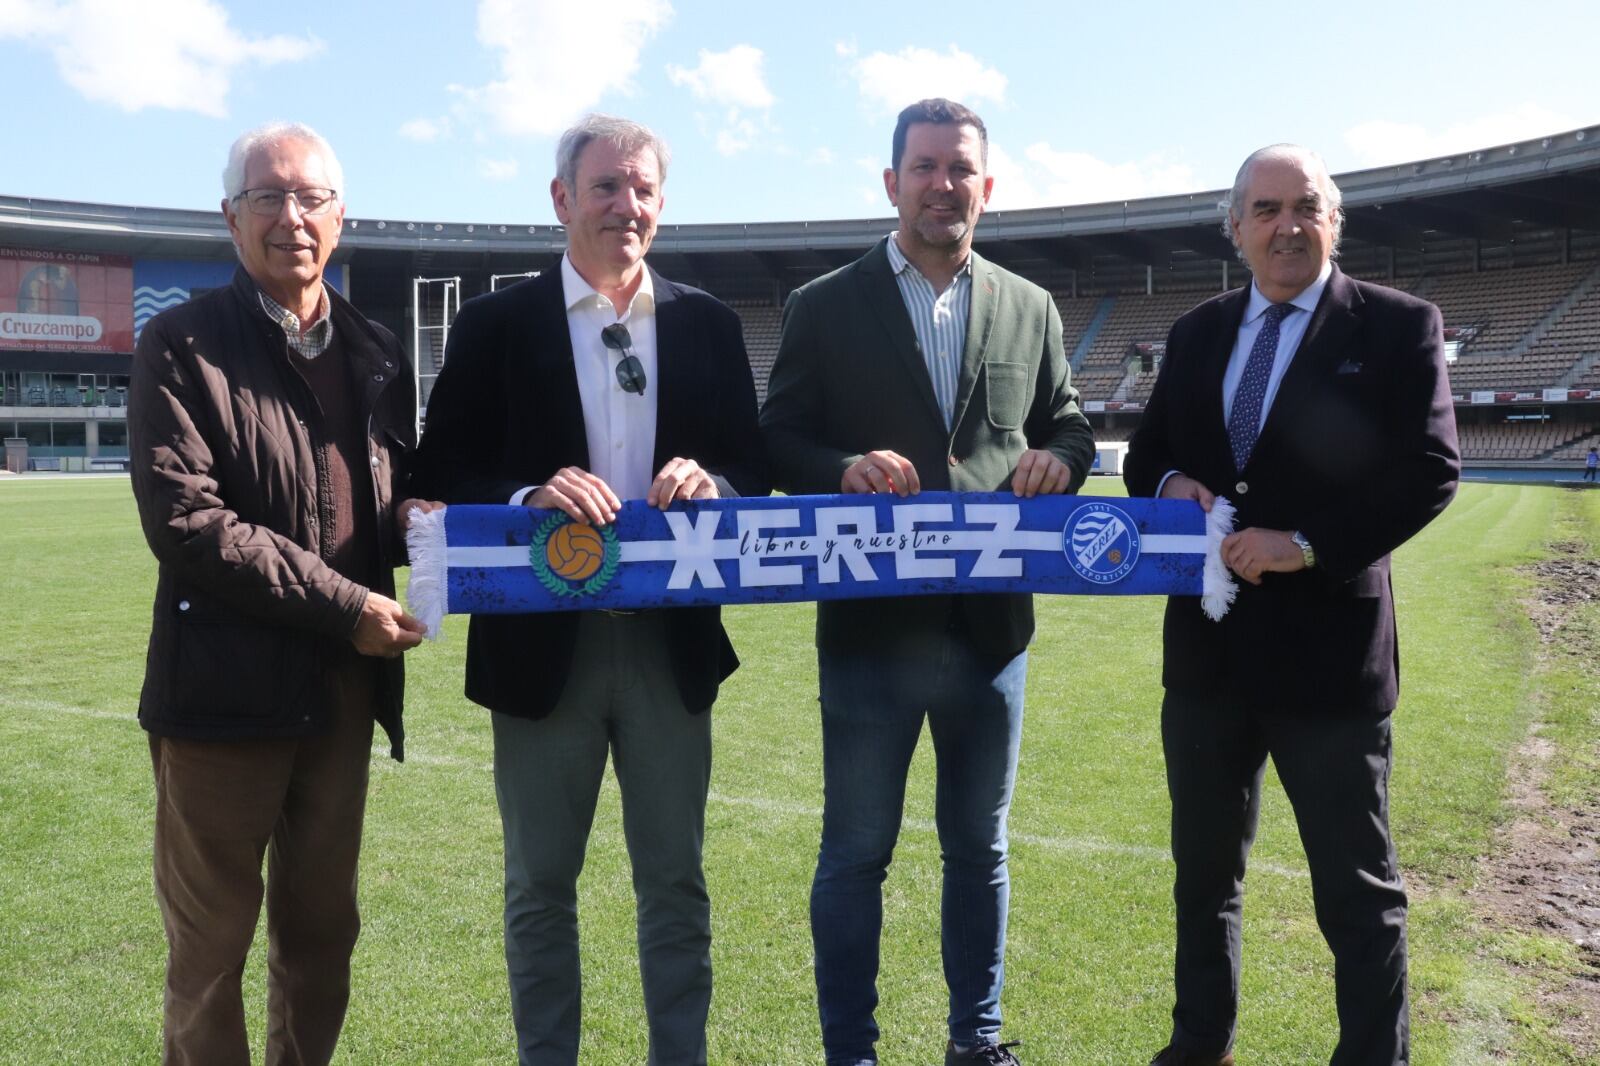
pixel 575 551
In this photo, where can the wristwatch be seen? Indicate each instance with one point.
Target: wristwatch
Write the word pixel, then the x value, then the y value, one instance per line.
pixel 1306 550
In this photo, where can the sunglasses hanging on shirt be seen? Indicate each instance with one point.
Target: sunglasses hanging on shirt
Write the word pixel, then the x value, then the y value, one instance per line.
pixel 630 372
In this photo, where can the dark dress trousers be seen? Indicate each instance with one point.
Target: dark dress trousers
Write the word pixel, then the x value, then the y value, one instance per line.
pixel 505 413
pixel 1358 453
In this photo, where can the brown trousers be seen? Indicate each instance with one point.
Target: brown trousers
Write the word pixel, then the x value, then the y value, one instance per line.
pixel 221 806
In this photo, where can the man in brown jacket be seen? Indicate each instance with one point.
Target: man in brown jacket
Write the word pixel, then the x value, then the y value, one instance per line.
pixel 267 423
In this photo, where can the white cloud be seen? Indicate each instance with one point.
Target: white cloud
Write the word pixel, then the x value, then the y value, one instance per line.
pixel 889 82
pixel 558 60
pixel 1382 141
pixel 174 54
pixel 498 169
pixel 822 157
pixel 1013 184
pixel 1046 176
pixel 425 129
pixel 871 191
pixel 733 77
pixel 20 18
pixel 738 135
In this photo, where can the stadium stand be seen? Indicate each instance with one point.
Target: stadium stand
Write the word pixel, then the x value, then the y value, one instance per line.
pixel 1524 442
pixel 1106 373
pixel 1076 316
pixel 762 325
pixel 1574 451
pixel 1521 320
pixel 1575 336
pixel 1588 370
pixel 1506 241
pixel 1520 328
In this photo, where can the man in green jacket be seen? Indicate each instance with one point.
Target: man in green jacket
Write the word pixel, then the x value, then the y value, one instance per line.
pixel 921 365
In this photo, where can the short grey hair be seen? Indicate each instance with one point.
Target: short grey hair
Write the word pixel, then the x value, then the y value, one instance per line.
pixel 271 135
pixel 1233 207
pixel 625 134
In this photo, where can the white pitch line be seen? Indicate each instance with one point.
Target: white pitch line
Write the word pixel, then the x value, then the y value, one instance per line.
pixel 50 707
pixel 782 808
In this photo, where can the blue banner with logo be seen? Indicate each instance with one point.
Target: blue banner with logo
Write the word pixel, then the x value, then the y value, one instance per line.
pixel 516 560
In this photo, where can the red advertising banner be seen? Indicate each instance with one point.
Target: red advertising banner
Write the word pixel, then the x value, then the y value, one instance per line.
pixel 78 301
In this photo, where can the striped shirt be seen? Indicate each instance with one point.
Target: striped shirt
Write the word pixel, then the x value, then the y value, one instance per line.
pixel 939 320
pixel 310 342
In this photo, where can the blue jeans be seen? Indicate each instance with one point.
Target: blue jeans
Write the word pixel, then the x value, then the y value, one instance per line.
pixel 873 706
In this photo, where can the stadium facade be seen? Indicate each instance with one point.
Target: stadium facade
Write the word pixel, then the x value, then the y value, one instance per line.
pixel 1506 240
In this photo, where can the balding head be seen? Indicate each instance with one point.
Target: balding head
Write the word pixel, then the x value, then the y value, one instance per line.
pixel 1233 206
pixel 1284 218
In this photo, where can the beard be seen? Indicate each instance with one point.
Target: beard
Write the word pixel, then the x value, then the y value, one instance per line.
pixel 941 234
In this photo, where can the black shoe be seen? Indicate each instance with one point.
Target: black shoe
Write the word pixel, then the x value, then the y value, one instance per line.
pixel 1176 1056
pixel 982 1055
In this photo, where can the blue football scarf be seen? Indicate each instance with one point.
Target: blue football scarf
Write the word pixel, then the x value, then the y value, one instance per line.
pixel 516 560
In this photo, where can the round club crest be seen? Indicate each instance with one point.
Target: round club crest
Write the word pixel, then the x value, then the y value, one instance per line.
pixel 1101 543
pixel 572 558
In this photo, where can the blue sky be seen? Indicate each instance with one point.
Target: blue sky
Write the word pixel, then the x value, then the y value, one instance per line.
pixel 449 111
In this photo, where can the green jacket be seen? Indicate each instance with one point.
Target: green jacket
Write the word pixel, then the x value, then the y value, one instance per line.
pixel 850 379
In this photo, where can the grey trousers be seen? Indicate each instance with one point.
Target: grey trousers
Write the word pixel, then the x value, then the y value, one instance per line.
pixel 620 700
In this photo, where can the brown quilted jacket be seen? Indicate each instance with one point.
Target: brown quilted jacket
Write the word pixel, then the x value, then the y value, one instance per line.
pixel 248 618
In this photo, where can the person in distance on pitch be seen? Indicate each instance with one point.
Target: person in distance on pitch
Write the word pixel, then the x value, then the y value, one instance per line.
pixel 594 383
pixel 267 424
pixel 1320 406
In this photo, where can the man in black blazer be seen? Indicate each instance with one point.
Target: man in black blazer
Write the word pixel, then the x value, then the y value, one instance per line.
pixel 594 383
pixel 922 365
pixel 1319 405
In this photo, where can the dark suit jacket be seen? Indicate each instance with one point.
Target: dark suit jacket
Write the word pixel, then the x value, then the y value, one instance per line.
pixel 1358 453
pixel 505 413
pixel 850 379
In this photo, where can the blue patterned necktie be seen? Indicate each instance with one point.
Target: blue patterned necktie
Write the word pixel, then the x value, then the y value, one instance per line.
pixel 1244 421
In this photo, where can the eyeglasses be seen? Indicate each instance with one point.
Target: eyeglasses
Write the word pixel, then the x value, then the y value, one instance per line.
pixel 268 202
pixel 630 372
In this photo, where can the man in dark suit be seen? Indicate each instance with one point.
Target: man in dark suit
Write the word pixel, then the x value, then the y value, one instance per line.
pixel 1319 405
pixel 588 385
pixel 921 365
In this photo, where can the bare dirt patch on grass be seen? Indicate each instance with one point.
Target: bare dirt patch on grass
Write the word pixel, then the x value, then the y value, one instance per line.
pixel 1543 876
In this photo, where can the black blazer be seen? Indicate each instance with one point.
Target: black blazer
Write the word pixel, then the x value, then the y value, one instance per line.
pixel 1358 453
pixel 849 378
pixel 505 413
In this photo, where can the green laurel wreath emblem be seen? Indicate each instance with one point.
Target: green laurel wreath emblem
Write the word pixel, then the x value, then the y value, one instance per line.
pixel 553 582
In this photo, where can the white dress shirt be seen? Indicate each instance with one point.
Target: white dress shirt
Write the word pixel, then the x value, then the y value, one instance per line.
pixel 620 426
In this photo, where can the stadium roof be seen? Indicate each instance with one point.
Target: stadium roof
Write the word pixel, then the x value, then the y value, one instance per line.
pixel 1524 199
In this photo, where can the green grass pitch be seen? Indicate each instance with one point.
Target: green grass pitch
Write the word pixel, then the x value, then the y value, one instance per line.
pixel 1088 963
